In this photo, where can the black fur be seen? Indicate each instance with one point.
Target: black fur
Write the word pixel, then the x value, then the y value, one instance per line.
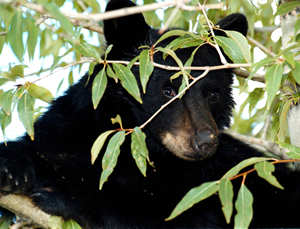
pixel 55 169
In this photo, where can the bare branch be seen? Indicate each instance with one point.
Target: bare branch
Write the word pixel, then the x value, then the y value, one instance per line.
pixel 264 145
pixel 261 47
pixel 246 74
pixel 265 29
pixel 176 97
pixel 24 208
pixel 223 59
pixel 120 12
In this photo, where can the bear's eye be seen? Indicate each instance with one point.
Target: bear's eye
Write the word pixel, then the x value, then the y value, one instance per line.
pixel 170 92
pixel 214 94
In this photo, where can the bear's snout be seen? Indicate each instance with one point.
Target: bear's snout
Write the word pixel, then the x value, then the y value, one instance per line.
pixel 206 143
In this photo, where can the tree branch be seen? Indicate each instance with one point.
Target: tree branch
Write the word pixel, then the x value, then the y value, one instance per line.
pixel 23 207
pixel 261 144
pixel 245 74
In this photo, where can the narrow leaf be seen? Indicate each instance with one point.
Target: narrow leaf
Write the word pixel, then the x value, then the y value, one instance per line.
pixel 175 57
pixel 264 169
pixel 40 92
pixel 233 49
pixel 63 20
pixel 6 101
pixel 117 119
pixel 85 49
pixel 128 81
pixel 244 209
pixel 98 144
pixel 5 121
pixel 273 79
pixel 194 196
pixel 236 169
pixel 294 150
pixel 139 149
pixel 110 73
pixel 172 33
pixel 107 51
pixel 109 160
pixel 286 7
pixel 26 113
pixel 132 62
pixel 15 35
pixel 99 86
pixel 241 43
pixel 146 68
pixel 70 224
pixel 226 197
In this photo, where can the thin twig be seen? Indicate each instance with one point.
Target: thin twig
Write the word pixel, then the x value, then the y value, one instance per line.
pixel 173 14
pixel 176 97
pixel 245 74
pixel 63 68
pixel 261 47
pixel 223 59
pixel 120 12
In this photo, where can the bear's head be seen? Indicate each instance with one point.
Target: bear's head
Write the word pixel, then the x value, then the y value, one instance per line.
pixel 188 127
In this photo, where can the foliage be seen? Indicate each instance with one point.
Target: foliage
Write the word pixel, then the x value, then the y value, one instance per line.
pixel 57 38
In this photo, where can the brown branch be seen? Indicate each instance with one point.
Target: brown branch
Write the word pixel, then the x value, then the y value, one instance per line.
pixel 246 74
pixel 23 207
pixel 261 47
pixel 261 144
pixel 120 12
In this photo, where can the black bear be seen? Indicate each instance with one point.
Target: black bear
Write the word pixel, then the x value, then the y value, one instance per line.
pixel 186 143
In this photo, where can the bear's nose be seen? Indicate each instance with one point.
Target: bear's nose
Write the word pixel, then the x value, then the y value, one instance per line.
pixel 206 142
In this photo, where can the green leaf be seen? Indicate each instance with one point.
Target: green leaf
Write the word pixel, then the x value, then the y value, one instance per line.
pixel 273 79
pixel 107 51
pixel 139 149
pixel 99 86
pixel 264 169
pixel 70 224
pixel 194 196
pixel 6 101
pixel 294 150
pixel 146 68
pixel 98 144
pixel 175 57
pixel 111 73
pixel 26 113
pixel 109 160
pixel 236 169
pixel 241 43
pixel 176 32
pixel 33 33
pixel 226 197
pixel 63 20
pixel 296 71
pixel 131 63
pixel 18 70
pixel 128 81
pixel 5 121
pixel 40 92
pixel 286 7
pixel 244 209
pixel 85 49
pixel 117 119
pixel 235 47
pixel 15 35
pixel 284 111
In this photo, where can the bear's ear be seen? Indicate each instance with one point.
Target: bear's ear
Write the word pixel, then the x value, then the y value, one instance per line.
pixel 128 30
pixel 236 22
